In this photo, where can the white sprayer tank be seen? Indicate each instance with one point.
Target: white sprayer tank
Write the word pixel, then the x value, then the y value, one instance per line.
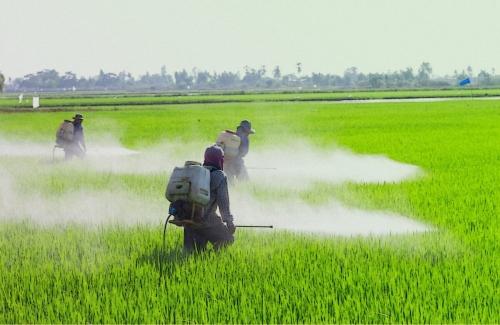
pixel 190 183
pixel 230 142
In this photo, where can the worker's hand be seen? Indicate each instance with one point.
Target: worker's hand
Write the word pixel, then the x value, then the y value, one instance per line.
pixel 231 227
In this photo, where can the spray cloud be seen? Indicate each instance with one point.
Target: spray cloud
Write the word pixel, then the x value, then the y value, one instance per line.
pixel 269 169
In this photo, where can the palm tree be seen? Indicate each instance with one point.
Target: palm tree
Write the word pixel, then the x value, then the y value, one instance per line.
pixel 299 68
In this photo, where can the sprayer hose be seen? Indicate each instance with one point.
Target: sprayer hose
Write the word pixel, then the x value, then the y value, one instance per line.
pixel 163 246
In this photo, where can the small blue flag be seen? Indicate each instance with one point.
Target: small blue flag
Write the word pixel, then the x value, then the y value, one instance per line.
pixel 464 82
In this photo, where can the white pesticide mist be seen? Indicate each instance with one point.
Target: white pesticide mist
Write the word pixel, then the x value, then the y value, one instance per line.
pixel 24 149
pixel 109 156
pixel 89 208
pixel 45 150
pixel 333 218
pixel 284 169
pixel 300 166
pixel 294 166
pixel 158 159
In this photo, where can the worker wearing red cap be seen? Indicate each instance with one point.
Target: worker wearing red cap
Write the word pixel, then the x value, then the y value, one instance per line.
pixel 218 230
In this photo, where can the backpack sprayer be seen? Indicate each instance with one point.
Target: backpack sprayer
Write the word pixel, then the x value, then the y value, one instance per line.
pixel 64 135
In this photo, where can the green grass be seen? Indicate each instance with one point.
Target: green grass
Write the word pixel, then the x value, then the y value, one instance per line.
pixel 65 102
pixel 111 274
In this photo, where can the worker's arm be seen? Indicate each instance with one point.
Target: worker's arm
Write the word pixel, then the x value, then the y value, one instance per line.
pixel 79 137
pixel 223 200
pixel 244 146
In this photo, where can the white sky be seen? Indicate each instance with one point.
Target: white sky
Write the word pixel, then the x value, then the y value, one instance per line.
pixel 326 36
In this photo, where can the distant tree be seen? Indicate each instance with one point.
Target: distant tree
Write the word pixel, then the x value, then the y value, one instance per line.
pixel 68 80
pixel 393 80
pixel 126 80
pixel 252 76
pixel 484 78
pixel 408 77
pixel 351 77
pixel 45 79
pixel 183 80
pixel 361 80
pixel 227 80
pixel 319 79
pixel 167 81
pixel 299 68
pixel 262 70
pixel 325 80
pixel 203 80
pixel 290 80
pixel 48 79
pixel 2 82
pixel 269 83
pixel 460 75
pixel 376 80
pixel 107 80
pixel 469 71
pixel 83 83
pixel 100 78
pixel 424 74
pixel 277 72
pixel 154 81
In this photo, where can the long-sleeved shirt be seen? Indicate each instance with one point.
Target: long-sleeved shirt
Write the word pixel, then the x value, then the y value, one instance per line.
pixel 219 197
pixel 78 137
pixel 244 144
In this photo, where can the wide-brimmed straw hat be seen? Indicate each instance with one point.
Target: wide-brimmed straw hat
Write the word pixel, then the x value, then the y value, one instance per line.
pixel 247 126
pixel 78 117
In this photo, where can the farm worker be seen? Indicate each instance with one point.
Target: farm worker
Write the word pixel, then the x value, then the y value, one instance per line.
pixel 76 147
pixel 235 167
pixel 218 230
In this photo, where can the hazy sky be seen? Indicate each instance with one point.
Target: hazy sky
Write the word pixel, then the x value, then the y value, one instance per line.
pixel 326 36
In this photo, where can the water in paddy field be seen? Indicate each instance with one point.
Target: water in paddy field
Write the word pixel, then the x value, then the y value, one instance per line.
pixel 282 170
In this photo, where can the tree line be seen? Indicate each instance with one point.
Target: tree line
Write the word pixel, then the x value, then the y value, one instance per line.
pixel 251 79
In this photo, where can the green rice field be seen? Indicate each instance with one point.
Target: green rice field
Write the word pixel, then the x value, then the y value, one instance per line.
pixel 75 273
